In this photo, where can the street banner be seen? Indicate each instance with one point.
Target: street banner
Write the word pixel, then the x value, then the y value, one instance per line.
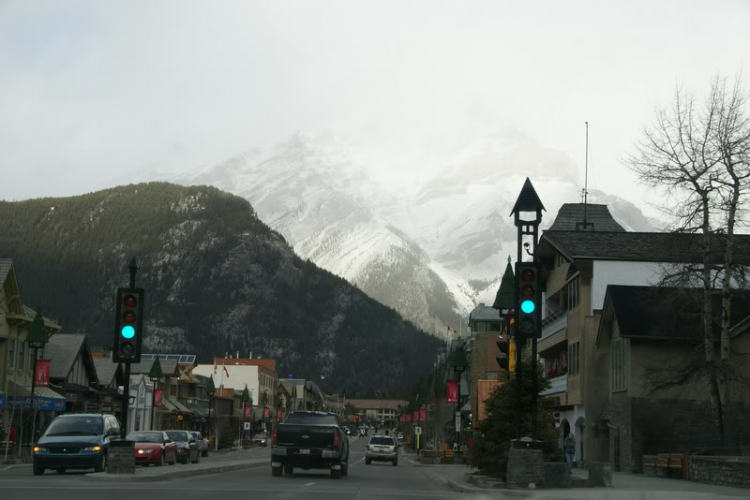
pixel 248 411
pixel 279 414
pixel 452 392
pixel 415 415
pixel 423 414
pixel 41 373
pixel 158 393
pixel 266 412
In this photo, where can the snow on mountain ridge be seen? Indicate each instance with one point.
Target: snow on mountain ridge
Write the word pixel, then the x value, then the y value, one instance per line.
pixel 415 252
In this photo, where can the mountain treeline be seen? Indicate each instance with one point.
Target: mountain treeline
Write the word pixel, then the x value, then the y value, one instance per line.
pixel 217 280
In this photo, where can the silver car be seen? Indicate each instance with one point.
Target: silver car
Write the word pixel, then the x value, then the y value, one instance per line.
pixel 381 449
pixel 202 444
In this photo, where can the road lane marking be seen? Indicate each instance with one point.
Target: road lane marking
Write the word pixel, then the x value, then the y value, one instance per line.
pixel 309 484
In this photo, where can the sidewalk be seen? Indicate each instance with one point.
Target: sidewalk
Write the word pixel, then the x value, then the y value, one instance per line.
pixel 216 462
pixel 624 487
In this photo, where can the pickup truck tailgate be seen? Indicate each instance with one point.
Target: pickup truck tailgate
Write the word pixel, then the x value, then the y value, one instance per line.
pixel 305 436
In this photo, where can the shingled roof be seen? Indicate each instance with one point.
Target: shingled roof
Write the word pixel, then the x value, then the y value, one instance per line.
pixel 5 265
pixel 484 312
pixel 62 350
pixel 598 218
pixel 105 369
pixel 665 312
pixel 644 247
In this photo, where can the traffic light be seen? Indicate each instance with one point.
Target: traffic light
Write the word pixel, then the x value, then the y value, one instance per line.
pixel 529 321
pixel 504 358
pixel 128 325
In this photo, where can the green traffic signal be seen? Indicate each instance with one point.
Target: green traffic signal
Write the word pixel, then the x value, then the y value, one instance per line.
pixel 128 332
pixel 528 306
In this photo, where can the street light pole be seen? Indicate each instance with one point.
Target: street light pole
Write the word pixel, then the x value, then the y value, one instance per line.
pixel 36 339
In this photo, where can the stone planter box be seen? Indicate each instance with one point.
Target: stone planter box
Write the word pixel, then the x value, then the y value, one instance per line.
pixel 725 471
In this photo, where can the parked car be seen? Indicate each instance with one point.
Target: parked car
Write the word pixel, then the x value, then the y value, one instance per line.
pixel 400 436
pixel 310 440
pixel 260 440
pixel 75 441
pixel 153 447
pixel 201 443
pixel 382 449
pixel 187 451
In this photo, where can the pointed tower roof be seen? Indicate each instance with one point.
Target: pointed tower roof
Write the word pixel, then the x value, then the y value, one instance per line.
pixel 528 200
pixel 504 297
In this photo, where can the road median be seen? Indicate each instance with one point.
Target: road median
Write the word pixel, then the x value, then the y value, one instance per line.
pixel 165 474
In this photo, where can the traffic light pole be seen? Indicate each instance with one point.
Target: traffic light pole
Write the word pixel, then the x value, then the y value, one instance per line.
pixel 133 267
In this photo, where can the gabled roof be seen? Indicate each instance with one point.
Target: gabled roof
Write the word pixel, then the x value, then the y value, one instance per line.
pixel 105 369
pixel 598 218
pixel 665 312
pixel 62 351
pixel 484 313
pixel 5 265
pixel 643 247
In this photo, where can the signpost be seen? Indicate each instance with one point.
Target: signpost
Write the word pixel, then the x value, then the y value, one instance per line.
pixel 418 432
pixel 458 421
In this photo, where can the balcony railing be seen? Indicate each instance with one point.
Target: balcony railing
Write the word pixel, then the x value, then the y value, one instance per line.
pixel 554 322
pixel 557 384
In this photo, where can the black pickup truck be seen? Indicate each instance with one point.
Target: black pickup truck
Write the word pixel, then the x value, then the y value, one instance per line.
pixel 310 440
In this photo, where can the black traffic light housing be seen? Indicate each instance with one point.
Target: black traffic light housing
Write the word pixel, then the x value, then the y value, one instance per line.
pixel 128 325
pixel 528 324
pixel 504 358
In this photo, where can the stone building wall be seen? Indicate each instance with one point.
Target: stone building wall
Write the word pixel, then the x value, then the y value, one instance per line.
pixel 726 471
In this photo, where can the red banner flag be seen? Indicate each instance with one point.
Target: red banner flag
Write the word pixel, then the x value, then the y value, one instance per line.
pixel 423 414
pixel 41 373
pixel 158 393
pixel 452 392
pixel 415 415
pixel 279 414
pixel 248 411
pixel 266 412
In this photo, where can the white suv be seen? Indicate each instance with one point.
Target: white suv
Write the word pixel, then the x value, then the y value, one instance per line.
pixel 381 448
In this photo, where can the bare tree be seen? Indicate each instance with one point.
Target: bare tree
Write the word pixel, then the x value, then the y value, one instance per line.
pixel 698 156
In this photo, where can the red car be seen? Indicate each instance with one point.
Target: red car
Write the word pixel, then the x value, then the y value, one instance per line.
pixel 153 447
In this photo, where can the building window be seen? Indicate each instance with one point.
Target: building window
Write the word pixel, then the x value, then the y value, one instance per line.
pixel 11 356
pixel 21 356
pixel 620 352
pixel 574 293
pixel 573 358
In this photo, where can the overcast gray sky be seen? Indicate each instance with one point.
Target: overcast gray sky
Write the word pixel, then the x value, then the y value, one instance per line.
pixel 93 90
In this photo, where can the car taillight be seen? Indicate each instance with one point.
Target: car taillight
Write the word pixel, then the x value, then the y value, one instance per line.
pixel 275 435
pixel 336 438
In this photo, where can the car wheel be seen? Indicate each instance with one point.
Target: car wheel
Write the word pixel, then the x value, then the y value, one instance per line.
pixel 335 473
pixel 368 461
pixel 288 469
pixel 276 471
pixel 38 471
pixel 102 466
pixel 161 460
pixel 61 470
pixel 345 468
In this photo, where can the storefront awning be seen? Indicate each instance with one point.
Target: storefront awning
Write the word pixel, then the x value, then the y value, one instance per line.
pixel 167 403
pixel 181 407
pixel 45 398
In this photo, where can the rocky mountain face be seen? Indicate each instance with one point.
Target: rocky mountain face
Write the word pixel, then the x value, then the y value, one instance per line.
pixel 217 279
pixel 431 249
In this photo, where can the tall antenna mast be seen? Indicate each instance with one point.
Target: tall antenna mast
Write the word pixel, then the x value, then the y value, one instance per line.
pixel 586 179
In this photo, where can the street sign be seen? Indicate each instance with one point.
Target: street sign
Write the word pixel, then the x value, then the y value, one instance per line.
pixel 247 426
pixel 458 421
pixel 417 431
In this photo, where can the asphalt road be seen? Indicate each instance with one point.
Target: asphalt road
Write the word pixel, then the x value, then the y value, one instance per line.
pixel 375 481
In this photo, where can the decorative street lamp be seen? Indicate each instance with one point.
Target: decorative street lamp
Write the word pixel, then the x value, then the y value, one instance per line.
pixel 36 339
pixel 154 375
pixel 244 398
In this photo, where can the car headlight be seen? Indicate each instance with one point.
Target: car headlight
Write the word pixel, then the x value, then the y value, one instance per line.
pixel 37 449
pixel 143 452
pixel 93 448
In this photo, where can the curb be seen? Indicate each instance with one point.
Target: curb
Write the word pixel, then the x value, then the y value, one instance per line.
pixel 451 484
pixel 134 478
